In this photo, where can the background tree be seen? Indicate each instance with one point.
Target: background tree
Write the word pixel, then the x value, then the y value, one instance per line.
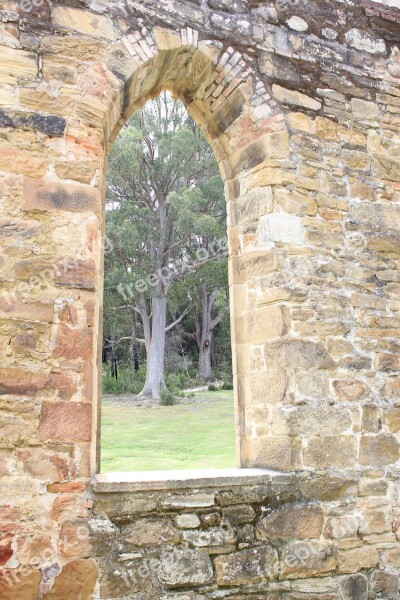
pixel 165 201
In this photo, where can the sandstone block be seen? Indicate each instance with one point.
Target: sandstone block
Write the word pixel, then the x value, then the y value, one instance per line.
pixel 310 420
pixel 45 465
pixel 15 64
pixel 271 146
pixel 364 557
pixel 184 567
pixel 281 453
pixel 308 559
pixel 261 324
pixel 379 450
pixel 50 125
pixel 187 521
pixel 72 344
pixel 220 536
pixel 374 521
pixel 342 527
pixel 33 311
pixel 21 163
pixel 287 96
pixel 237 515
pixel 77 580
pixel 292 521
pixel 354 586
pixel 15 587
pixel 281 228
pixel 391 389
pixel 82 171
pixel 361 40
pixel 19 382
pixel 253 265
pixel 293 202
pixel 65 421
pixel 41 194
pixel 298 354
pixel 248 566
pixel 350 390
pixel 149 532
pixel 85 22
pixel 298 120
pixel 76 273
pixel 330 451
pixel 392 420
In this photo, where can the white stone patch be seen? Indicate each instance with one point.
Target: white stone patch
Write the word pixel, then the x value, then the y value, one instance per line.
pixel 362 41
pixel 282 228
pixel 329 34
pixel 297 23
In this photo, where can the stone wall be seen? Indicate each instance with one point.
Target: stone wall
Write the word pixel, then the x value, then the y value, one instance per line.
pixel 300 101
pixel 264 535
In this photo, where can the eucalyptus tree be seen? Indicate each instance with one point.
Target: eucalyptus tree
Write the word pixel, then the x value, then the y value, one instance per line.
pixel 164 196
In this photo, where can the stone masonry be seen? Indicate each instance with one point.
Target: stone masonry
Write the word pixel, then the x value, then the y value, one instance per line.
pixel 300 101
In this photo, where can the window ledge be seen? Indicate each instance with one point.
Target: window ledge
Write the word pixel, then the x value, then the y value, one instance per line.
pixel 136 481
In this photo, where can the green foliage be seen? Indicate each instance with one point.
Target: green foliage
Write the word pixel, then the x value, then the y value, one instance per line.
pixel 212 388
pixel 167 398
pixel 128 381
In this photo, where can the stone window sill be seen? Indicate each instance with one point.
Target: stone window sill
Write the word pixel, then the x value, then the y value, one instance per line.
pixel 138 481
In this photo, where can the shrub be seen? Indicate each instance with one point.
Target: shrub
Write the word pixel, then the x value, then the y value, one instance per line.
pixel 167 398
pixel 128 381
pixel 212 388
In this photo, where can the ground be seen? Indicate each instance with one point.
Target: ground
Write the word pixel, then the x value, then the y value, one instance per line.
pixel 196 433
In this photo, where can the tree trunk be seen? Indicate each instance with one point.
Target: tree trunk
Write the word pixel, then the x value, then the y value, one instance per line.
pixel 155 356
pixel 205 372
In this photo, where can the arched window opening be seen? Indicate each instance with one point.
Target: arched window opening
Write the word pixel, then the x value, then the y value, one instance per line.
pixel 167 363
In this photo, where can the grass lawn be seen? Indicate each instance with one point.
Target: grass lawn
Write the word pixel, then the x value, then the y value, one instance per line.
pixel 198 435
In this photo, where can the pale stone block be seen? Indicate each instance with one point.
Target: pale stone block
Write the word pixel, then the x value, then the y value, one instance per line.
pixel 297 23
pixel 364 110
pixel 83 21
pixel 363 41
pixel 166 38
pixel 15 64
pixel 281 228
pixel 287 96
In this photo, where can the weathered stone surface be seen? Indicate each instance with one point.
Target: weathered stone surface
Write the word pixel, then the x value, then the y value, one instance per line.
pixel 183 567
pixel 330 451
pixel 77 579
pixel 49 124
pixel 187 521
pixel 16 63
pixel 86 23
pixel 247 566
pixel 349 390
pixel 216 536
pixel 15 587
pixel 65 421
pixel 19 382
pixel 363 41
pixel 148 532
pixel 281 228
pixel 41 194
pixel 354 586
pixel 293 97
pixel 292 521
pixel 280 452
pixel 308 559
pixel 17 161
pixel 379 450
pixel 356 559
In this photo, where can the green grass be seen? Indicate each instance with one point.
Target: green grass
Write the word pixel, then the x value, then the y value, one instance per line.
pixel 185 436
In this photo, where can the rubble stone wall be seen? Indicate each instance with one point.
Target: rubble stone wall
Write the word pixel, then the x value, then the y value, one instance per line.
pixel 300 101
